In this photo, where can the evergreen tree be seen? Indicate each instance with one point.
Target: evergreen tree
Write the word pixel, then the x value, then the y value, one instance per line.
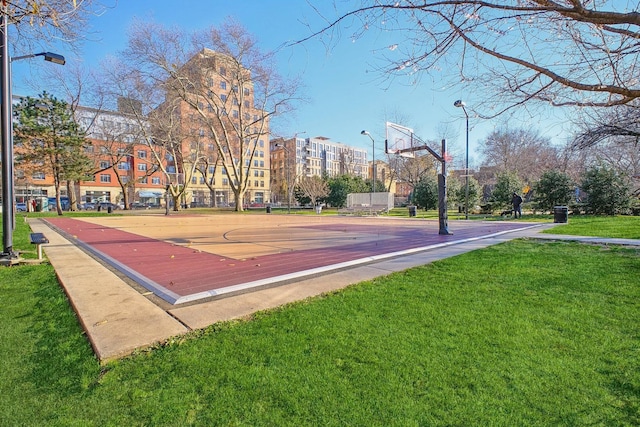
pixel 48 138
pixel 342 185
pixel 507 183
pixel 426 193
pixel 607 190
pixel 553 189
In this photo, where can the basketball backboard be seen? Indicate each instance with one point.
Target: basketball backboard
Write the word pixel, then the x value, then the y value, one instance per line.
pixel 399 140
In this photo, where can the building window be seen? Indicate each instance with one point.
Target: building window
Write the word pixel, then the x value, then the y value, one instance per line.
pixel 223 98
pixel 223 85
pixel 223 71
pixel 105 177
pixel 104 165
pixel 142 154
pixel 144 180
pixel 123 166
pixel 194 179
pixel 38 175
pixel 155 180
pixel 142 167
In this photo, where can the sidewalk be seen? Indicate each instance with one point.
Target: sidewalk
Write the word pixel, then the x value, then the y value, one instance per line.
pixel 119 319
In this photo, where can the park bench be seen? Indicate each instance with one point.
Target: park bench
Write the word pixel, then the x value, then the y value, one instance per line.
pixel 38 239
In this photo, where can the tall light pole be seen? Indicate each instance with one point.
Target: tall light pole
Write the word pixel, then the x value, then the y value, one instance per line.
pixel 286 165
pixel 6 113
pixel 460 104
pixel 373 167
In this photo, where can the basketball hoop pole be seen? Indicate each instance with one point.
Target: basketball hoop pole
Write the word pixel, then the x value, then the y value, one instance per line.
pixel 442 194
pixel 442 177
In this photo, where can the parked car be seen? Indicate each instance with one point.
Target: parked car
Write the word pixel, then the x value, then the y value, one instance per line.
pixel 21 207
pixel 139 205
pixel 107 205
pixel 88 206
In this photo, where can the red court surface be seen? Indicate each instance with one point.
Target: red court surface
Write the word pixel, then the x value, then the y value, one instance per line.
pixel 185 258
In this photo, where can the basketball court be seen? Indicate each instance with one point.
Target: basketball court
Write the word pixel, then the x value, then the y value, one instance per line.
pixel 187 258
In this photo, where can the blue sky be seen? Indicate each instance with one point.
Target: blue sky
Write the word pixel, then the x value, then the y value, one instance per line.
pixel 345 94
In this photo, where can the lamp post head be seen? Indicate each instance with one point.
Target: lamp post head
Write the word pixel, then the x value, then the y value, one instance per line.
pixel 364 132
pixel 459 103
pixel 48 56
pixel 54 57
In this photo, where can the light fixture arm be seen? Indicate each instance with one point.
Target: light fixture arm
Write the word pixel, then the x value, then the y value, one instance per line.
pixel 48 56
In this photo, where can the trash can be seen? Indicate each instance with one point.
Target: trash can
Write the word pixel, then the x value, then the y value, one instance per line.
pixel 560 214
pixel 319 209
pixel 413 211
pixel 109 209
pixel 268 209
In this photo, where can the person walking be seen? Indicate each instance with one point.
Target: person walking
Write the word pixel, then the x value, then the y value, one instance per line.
pixel 516 200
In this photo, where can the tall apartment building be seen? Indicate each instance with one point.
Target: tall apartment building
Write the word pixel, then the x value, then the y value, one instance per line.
pixel 294 158
pixel 225 136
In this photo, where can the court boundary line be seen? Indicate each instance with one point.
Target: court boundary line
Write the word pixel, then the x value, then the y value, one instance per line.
pixel 176 299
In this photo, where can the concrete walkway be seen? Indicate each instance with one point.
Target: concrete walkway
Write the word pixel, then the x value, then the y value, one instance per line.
pixel 119 319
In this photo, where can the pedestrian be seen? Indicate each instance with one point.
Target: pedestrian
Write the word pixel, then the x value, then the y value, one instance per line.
pixel 516 200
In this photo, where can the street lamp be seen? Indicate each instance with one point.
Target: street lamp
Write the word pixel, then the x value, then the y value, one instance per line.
pixel 373 167
pixel 48 56
pixel 286 163
pixel 6 113
pixel 460 104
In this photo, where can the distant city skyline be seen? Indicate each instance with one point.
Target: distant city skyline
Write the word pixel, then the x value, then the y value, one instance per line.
pixel 345 95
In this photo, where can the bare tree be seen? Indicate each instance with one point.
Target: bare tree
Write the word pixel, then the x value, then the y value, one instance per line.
pixel 522 151
pixel 567 52
pixel 412 169
pixel 42 21
pixel 159 125
pixel 621 123
pixel 223 84
pixel 313 187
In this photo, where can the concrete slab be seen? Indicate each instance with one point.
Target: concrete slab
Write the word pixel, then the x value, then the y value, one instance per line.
pixel 116 318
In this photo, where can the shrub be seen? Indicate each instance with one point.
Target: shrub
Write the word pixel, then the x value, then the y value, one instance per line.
pixel 553 189
pixel 607 191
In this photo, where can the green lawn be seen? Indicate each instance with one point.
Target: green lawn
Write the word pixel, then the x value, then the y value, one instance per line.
pixel 523 333
pixel 600 226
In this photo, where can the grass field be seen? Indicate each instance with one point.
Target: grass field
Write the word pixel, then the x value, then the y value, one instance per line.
pixel 523 333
